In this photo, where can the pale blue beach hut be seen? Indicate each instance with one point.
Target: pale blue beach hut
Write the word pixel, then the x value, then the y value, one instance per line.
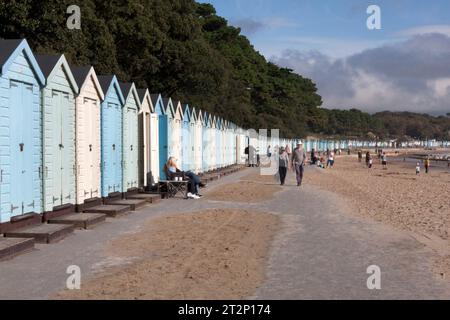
pixel 111 125
pixel 58 120
pixel 21 80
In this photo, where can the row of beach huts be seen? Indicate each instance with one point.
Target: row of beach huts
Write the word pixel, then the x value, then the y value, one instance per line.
pixel 70 137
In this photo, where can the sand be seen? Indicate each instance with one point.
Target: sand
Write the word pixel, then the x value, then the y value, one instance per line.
pixel 396 196
pixel 251 189
pixel 214 254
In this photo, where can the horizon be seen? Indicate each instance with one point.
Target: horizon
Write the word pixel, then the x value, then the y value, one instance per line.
pixel 399 68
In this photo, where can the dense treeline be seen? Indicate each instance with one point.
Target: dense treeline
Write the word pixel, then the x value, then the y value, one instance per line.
pixel 185 50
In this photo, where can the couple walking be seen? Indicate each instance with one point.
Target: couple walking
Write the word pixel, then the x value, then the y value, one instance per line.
pixel 297 162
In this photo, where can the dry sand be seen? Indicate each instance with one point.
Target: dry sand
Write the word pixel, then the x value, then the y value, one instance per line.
pixel 214 254
pixel 252 188
pixel 397 197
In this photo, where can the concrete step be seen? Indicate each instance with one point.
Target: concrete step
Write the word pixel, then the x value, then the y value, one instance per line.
pixel 146 197
pixel 80 220
pixel 44 233
pixel 12 247
pixel 133 204
pixel 111 211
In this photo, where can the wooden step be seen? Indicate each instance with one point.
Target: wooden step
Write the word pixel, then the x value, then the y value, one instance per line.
pixel 146 197
pixel 44 233
pixel 80 220
pixel 12 247
pixel 110 210
pixel 133 204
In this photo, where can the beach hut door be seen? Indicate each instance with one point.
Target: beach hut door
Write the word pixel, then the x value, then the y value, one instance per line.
pixel 61 146
pixel 21 133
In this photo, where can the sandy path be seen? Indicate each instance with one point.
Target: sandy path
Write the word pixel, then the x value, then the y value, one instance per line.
pixel 213 254
pixel 251 188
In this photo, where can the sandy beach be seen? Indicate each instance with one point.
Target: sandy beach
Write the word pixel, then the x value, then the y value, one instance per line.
pixel 251 188
pixel 212 254
pixel 396 196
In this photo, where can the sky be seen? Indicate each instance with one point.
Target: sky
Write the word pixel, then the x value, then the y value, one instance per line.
pixel 404 66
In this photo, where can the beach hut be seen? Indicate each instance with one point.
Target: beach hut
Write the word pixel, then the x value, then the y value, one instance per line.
pixel 130 140
pixel 226 142
pixel 149 140
pixel 21 80
pixel 176 132
pixel 111 122
pixel 160 104
pixel 233 142
pixel 58 120
pixel 206 142
pixel 187 139
pixel 172 137
pixel 212 142
pixel 88 155
pixel 198 141
pixel 218 147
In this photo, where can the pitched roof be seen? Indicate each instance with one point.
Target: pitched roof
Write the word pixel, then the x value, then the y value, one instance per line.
pixel 47 63
pixel 105 82
pixel 154 97
pixel 141 93
pixel 7 47
pixel 184 107
pixel 126 87
pixel 80 73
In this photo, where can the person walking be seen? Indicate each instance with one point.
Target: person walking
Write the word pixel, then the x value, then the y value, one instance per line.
pixel 368 157
pixel 330 162
pixel 427 165
pixel 418 169
pixel 384 161
pixel 359 155
pixel 269 152
pixel 298 162
pixel 283 165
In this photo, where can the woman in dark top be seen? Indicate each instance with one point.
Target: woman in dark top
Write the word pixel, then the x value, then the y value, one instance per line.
pixel 283 165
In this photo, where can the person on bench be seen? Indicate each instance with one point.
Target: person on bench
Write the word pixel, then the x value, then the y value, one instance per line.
pixel 172 171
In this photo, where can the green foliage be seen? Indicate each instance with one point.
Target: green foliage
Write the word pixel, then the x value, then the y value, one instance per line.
pixel 183 49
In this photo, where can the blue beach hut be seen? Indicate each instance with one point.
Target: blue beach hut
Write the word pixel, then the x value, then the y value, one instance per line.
pixel 21 80
pixel 111 115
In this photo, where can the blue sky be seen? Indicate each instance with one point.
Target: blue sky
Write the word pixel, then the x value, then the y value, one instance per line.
pixel 309 34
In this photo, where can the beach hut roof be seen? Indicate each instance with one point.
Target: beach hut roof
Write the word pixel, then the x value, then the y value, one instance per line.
pixel 47 63
pixel 155 97
pixel 10 48
pixel 80 74
pixel 106 81
pixel 144 95
pixel 7 48
pixel 130 88
pixel 157 102
pixel 193 114
pixel 168 106
pixel 186 110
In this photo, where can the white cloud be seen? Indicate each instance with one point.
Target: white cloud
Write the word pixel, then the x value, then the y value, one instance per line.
pixel 412 75
pixel 441 29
